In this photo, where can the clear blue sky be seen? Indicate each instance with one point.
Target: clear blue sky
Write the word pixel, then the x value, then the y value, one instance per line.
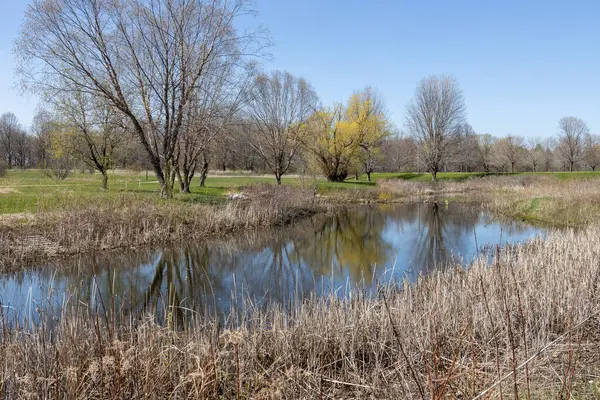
pixel 521 64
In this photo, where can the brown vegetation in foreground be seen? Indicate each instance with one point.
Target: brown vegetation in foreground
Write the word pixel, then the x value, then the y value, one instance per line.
pixel 132 222
pixel 526 325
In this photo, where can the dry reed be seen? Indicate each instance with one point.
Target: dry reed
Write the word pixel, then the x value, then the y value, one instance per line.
pixel 527 325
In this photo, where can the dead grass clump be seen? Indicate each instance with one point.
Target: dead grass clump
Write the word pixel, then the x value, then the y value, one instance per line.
pixel 130 222
pixel 526 326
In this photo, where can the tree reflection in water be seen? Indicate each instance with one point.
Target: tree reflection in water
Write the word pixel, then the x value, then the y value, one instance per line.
pixel 360 246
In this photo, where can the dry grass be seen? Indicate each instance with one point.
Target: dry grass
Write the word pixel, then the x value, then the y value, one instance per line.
pixel 536 198
pixel 453 334
pixel 129 222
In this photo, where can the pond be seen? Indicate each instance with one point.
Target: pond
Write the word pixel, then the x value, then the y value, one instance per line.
pixel 360 247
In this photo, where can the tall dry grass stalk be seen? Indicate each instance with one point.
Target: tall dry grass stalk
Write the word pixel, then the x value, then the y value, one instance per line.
pixel 544 199
pixel 525 326
pixel 129 221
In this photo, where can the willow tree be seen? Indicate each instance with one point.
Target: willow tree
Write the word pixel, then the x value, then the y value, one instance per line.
pixel 342 138
pixel 370 125
pixel 144 58
pixel 330 142
pixel 435 117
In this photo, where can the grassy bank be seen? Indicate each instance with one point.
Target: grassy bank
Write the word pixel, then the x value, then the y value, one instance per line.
pixel 31 191
pixel 545 199
pixel 528 325
pixel 42 218
pixel 130 221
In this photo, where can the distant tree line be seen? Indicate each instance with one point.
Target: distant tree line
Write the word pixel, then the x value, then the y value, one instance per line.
pixel 176 88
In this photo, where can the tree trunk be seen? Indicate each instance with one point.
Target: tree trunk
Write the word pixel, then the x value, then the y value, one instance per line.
pixel 180 180
pixel 369 176
pixel 278 178
pixel 571 166
pixel 203 174
pixel 356 176
pixel 434 176
pixel 104 180
pixel 166 182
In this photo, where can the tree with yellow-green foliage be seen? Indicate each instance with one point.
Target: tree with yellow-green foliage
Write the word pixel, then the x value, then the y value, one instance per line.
pixel 57 162
pixel 369 116
pixel 340 138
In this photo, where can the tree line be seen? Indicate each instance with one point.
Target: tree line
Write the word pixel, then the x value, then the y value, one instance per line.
pixel 176 87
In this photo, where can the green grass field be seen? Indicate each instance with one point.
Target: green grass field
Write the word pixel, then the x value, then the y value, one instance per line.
pixel 31 190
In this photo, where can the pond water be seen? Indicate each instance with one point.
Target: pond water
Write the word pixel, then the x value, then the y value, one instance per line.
pixel 362 247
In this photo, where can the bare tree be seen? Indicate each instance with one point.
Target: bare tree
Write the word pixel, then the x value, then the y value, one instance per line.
pixel 210 113
pixel 485 151
pixel 434 119
pixel 398 153
pixel 534 153
pixel 279 104
pixel 145 58
pixel 463 156
pixel 571 137
pixel 9 132
pixel 591 153
pixel 511 149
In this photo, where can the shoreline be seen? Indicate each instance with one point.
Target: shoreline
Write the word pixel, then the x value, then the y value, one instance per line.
pixel 133 222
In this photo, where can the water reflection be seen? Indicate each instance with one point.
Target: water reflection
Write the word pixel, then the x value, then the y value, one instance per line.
pixel 361 246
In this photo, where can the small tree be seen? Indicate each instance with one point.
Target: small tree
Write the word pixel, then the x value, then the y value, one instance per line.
pixel 58 162
pixel 485 151
pixel 92 133
pixel 571 137
pixel 434 119
pixel 534 153
pixel 9 132
pixel 511 150
pixel 592 151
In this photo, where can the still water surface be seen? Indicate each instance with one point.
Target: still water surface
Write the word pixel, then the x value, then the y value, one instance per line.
pixel 358 247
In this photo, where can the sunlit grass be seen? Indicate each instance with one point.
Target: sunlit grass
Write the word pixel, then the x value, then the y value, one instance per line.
pixel 32 191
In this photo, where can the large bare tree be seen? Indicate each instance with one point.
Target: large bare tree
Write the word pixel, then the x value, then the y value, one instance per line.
pixel 434 119
pixel 145 58
pixel 571 137
pixel 211 113
pixel 278 106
